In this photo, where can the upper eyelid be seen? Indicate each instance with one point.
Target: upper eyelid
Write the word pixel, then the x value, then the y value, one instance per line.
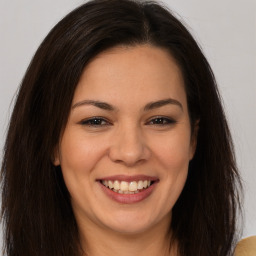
pixel 93 118
pixel 163 117
pixel 109 122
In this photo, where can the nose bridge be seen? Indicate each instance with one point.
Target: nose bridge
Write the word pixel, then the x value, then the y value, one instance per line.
pixel 128 145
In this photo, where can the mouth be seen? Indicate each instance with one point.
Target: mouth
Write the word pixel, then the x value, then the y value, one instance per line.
pixel 128 189
pixel 124 187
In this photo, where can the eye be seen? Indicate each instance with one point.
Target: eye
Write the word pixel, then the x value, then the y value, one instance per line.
pixel 161 121
pixel 95 121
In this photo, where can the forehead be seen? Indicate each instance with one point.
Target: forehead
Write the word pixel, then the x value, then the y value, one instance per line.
pixel 128 74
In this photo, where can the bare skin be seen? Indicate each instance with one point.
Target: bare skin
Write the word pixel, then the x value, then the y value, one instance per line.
pixel 129 117
pixel 149 243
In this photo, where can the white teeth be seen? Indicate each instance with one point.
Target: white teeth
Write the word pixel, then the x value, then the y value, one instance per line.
pixel 116 185
pixel 133 186
pixel 140 184
pixel 110 184
pixel 124 187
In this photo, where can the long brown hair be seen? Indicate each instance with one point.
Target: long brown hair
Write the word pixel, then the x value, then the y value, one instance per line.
pixel 36 210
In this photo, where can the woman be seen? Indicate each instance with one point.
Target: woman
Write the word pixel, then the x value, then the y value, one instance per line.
pixel 118 143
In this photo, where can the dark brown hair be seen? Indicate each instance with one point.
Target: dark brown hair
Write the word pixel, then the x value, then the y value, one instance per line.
pixel 36 210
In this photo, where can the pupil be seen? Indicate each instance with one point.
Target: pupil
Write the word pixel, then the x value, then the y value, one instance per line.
pixel 159 121
pixel 97 121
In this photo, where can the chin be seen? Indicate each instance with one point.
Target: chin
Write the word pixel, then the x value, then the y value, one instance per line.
pixel 129 224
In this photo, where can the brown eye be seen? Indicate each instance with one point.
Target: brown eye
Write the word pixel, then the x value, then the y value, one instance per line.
pixel 161 121
pixel 95 121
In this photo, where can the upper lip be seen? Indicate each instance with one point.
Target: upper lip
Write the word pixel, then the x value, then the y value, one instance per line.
pixel 129 178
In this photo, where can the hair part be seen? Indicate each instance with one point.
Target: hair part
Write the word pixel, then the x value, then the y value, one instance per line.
pixel 37 214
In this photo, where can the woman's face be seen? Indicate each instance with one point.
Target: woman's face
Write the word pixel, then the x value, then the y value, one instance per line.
pixel 127 144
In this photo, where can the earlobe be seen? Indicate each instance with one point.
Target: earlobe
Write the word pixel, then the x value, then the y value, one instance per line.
pixel 56 157
pixel 56 162
pixel 193 142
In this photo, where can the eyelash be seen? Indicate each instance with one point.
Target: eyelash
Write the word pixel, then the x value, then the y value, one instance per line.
pixel 162 121
pixel 95 122
pixel 99 121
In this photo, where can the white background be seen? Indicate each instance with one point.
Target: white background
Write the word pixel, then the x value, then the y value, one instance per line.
pixel 225 29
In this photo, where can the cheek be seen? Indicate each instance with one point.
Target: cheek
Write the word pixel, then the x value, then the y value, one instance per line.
pixel 78 158
pixel 172 157
pixel 175 162
pixel 77 152
pixel 173 151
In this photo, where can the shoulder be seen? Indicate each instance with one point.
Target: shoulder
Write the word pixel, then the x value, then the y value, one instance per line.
pixel 246 247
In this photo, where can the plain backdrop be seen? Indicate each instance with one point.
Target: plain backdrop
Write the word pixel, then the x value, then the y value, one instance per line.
pixel 225 29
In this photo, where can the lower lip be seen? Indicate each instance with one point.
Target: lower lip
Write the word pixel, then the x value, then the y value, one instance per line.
pixel 128 198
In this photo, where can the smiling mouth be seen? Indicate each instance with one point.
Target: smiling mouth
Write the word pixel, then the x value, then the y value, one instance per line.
pixel 124 187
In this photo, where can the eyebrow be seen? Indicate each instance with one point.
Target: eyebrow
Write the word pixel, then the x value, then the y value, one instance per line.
pixel 161 103
pixel 149 106
pixel 98 104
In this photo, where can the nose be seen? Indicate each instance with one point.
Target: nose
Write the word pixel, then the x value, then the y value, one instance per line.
pixel 129 147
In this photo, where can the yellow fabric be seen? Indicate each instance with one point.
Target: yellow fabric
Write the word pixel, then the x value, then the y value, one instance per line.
pixel 246 247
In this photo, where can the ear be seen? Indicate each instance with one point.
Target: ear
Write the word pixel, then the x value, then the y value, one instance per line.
pixel 56 157
pixel 193 141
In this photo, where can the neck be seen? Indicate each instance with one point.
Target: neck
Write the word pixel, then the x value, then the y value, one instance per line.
pixel 102 241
